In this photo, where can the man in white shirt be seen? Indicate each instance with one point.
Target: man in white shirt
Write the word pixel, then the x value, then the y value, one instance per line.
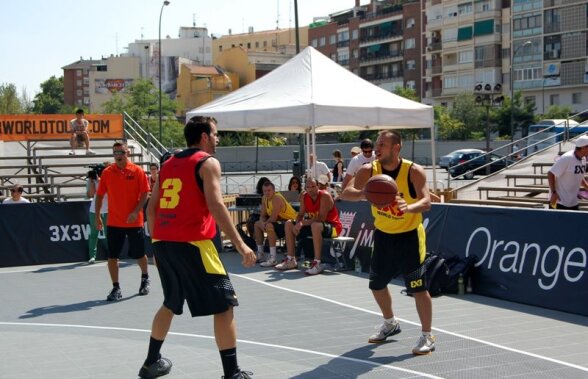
pixel 367 156
pixel 318 168
pixel 566 176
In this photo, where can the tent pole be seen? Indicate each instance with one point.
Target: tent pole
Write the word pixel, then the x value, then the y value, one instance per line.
pixel 433 156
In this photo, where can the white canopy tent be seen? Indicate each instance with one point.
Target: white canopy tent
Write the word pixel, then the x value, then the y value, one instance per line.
pixel 312 94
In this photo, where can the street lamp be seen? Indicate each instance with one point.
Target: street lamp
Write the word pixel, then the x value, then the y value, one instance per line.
pixel 512 128
pixel 488 96
pixel 159 65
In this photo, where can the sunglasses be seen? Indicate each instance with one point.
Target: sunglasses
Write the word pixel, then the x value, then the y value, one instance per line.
pixel 15 190
pixel 367 151
pixel 119 152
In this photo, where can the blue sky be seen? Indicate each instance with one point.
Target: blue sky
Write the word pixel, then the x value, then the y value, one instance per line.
pixel 39 37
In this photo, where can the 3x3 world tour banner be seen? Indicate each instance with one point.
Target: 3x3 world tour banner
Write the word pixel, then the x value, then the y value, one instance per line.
pixel 25 127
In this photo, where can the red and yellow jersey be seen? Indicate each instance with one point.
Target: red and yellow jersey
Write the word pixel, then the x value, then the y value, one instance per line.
pixel 124 188
pixel 181 212
pixel 390 219
pixel 313 207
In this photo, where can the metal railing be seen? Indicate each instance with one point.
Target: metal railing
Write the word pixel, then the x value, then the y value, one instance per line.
pixel 145 139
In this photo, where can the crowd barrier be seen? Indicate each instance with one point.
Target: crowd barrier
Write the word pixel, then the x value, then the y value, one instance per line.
pixel 536 257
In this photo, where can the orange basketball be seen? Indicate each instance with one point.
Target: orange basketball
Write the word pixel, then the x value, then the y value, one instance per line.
pixel 381 190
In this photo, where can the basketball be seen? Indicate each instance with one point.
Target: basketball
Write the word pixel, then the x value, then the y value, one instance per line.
pixel 381 190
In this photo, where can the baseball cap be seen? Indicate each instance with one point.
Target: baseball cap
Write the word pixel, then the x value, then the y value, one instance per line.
pixel 582 141
pixel 356 150
pixel 323 179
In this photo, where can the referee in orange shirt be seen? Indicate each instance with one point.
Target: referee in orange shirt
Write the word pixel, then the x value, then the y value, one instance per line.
pixel 127 188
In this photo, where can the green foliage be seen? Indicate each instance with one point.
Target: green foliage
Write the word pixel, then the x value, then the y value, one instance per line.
pixel 346 137
pixel 449 127
pixel 50 99
pixel 556 112
pixel 10 103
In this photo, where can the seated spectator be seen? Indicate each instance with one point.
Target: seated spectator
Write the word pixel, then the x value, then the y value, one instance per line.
pixel 294 184
pixel 323 184
pixel 254 216
pixel 16 196
pixel 355 151
pixel 79 133
pixel 275 210
pixel 318 217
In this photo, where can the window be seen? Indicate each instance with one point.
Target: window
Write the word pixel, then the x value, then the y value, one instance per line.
pixel 249 45
pixel 78 83
pixel 314 42
pixel 322 41
pixel 257 44
pixel 410 23
pixel 355 53
pixel 450 82
pixel 411 84
pixel 264 43
pixel 577 98
pixel 554 99
pixel 465 56
pixel 220 47
pixel 465 9
pixel 411 64
pixel 79 92
pixel 333 39
pixel 409 43
pixel 78 72
pixel 355 34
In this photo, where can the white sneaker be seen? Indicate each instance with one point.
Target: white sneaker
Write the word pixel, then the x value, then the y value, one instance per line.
pixel 261 257
pixel 90 152
pixel 287 264
pixel 92 261
pixel 387 329
pixel 424 346
pixel 315 268
pixel 271 262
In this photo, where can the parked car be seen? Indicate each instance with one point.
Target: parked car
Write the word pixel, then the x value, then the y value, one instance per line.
pixel 474 167
pixel 457 154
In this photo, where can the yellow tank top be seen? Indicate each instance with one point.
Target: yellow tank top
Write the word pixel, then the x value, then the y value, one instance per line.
pixel 390 219
pixel 286 213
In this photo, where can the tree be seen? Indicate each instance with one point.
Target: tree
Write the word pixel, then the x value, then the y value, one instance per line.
pixel 556 112
pixel 464 110
pixel 50 99
pixel 140 101
pixel 449 127
pixel 10 103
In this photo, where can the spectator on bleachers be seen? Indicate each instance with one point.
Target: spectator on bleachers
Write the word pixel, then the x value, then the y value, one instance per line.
pixel 367 155
pixel 16 196
pixel 79 133
pixel 318 217
pixel 294 184
pixel 275 211
pixel 91 185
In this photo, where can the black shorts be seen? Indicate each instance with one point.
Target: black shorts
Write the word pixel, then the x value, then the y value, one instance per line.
pixel 115 236
pixel 328 231
pixel 194 274
pixel 395 254
pixel 279 229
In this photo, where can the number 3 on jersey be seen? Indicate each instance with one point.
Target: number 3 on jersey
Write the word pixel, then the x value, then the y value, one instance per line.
pixel 170 197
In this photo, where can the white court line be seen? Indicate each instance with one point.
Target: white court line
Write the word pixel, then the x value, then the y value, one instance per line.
pixel 306 351
pixel 48 268
pixel 552 360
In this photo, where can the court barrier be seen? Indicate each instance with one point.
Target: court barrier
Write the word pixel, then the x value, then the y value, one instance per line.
pixel 548 269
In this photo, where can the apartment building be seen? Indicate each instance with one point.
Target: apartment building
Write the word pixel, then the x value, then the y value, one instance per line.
pixel 380 41
pixel 282 41
pixel 76 81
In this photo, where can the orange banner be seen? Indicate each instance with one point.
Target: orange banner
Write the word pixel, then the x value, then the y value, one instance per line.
pixel 24 127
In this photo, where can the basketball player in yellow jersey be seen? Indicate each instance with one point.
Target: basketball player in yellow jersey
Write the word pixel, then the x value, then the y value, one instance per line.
pixel 399 238
pixel 275 210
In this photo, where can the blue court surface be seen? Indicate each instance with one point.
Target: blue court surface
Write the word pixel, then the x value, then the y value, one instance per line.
pixel 56 324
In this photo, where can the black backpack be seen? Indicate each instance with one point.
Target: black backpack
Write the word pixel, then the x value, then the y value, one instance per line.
pixel 442 274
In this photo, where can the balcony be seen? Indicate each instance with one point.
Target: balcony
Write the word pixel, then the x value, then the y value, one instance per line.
pixel 343 43
pixel 382 76
pixel 435 46
pixel 380 57
pixel 381 37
